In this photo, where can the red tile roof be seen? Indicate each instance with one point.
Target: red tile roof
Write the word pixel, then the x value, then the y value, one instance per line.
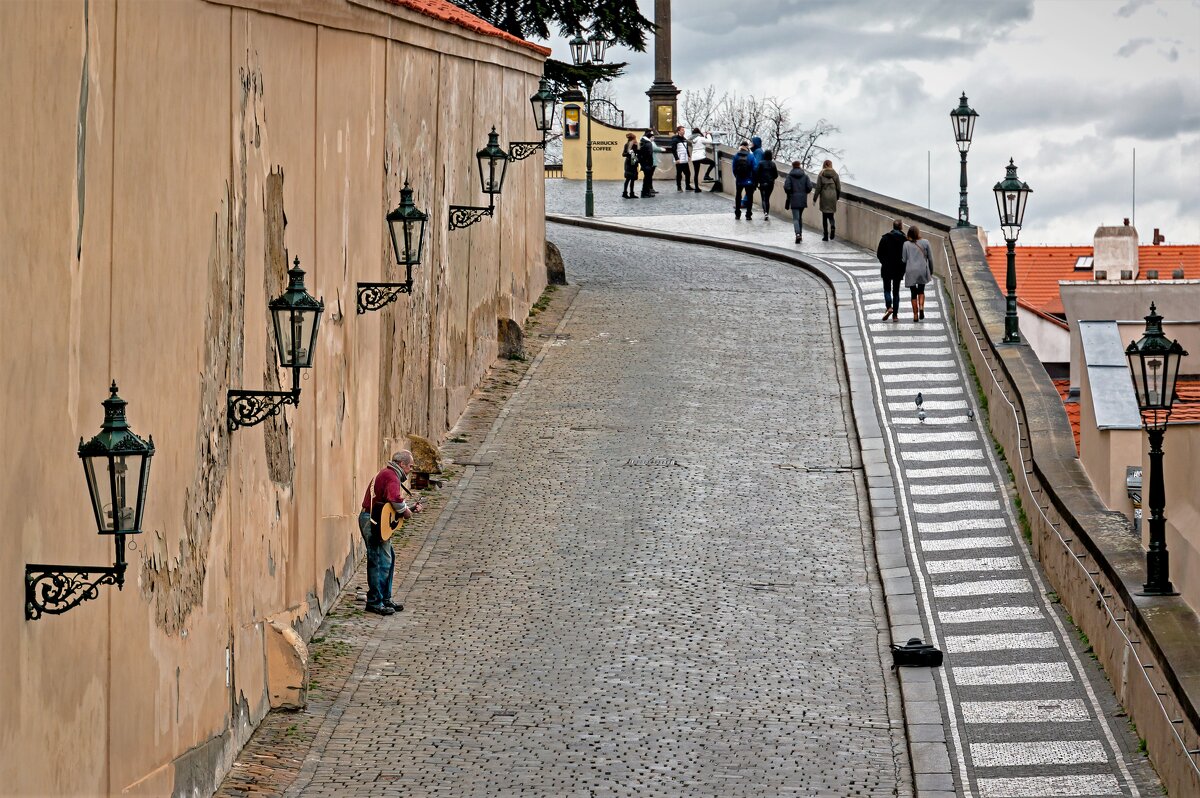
pixel 448 12
pixel 1185 409
pixel 1040 268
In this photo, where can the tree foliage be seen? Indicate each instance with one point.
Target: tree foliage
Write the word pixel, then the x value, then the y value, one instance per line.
pixel 620 20
pixel 742 117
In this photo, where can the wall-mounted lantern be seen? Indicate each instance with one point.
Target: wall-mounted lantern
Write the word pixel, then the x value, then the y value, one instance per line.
pixel 406 223
pixel 296 316
pixel 543 102
pixel 116 465
pixel 493 165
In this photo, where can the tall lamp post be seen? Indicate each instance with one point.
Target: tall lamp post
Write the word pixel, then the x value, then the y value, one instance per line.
pixel 1154 364
pixel 963 118
pixel 589 52
pixel 1011 196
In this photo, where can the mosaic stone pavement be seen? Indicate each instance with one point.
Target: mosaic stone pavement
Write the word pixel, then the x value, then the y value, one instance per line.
pixel 1027 713
pixel 635 591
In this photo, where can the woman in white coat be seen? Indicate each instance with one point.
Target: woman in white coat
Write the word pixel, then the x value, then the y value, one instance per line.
pixel 918 269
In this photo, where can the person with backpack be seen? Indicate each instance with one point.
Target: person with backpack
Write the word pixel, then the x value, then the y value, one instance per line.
pixel 890 253
pixel 829 191
pixel 743 178
pixel 681 148
pixel 701 145
pixel 796 188
pixel 646 162
pixel 765 175
pixel 630 153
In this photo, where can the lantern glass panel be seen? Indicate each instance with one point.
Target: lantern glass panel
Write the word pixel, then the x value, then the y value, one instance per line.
pixel 598 44
pixel 579 50
pixel 295 335
pixel 408 240
pixel 543 110
pixel 491 173
pixel 117 487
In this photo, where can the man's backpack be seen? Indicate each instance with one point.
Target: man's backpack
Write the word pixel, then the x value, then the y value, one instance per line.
pixel 743 170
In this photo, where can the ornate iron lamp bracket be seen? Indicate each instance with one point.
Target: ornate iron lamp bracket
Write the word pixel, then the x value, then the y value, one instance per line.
pixel 520 150
pixel 375 296
pixel 466 215
pixel 54 589
pixel 248 408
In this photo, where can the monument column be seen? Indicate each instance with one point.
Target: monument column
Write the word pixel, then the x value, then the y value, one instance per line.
pixel 662 92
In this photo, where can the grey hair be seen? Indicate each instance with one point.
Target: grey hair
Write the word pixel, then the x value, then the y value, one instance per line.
pixel 403 457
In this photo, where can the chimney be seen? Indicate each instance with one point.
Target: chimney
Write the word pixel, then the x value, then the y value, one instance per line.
pixel 1158 237
pixel 1115 250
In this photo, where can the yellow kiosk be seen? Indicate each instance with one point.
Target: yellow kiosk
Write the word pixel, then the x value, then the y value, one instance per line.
pixel 607 143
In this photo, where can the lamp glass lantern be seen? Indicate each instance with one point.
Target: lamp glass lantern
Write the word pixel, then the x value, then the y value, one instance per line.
pixel 598 44
pixel 579 49
pixel 297 316
pixel 544 102
pixel 1154 363
pixel 493 165
pixel 116 465
pixel 407 226
pixel 1011 197
pixel 963 119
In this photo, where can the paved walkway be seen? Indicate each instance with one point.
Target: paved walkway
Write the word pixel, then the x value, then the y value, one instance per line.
pixel 1024 711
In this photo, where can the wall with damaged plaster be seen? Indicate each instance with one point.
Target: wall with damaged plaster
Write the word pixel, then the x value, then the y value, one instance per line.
pixel 170 160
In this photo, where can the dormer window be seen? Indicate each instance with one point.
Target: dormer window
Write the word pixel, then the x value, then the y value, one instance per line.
pixel 1084 263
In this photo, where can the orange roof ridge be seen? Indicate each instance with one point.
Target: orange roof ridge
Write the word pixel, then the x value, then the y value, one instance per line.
pixel 448 12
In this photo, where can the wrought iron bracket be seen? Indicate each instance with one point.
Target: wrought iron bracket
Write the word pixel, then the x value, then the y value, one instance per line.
pixel 247 408
pixel 466 215
pixel 520 150
pixel 54 589
pixel 375 296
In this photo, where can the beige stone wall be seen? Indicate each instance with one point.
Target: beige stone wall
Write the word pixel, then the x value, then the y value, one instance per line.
pixel 608 142
pixel 152 152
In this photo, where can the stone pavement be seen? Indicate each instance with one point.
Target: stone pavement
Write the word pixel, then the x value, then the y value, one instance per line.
pixel 653 578
pixel 1024 711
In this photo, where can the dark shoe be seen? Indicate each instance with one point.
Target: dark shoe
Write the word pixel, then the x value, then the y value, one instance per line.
pixel 799 239
pixel 922 314
pixel 624 195
pixel 677 188
pixel 395 607
pixel 766 216
pixel 633 196
pixel 896 318
pixel 384 610
pixel 698 190
pixel 644 195
pixel 737 215
pixel 831 234
pixel 887 314
pixel 824 238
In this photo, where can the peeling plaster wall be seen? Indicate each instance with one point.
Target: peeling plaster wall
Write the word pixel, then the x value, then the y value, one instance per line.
pixel 146 221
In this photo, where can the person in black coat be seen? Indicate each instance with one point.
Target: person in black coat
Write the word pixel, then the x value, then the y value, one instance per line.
pixel 891 268
pixel 630 155
pixel 765 175
pixel 646 161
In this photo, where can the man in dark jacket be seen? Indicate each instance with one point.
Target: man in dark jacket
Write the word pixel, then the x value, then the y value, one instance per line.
pixel 646 161
pixel 796 188
pixel 891 268
pixel 743 178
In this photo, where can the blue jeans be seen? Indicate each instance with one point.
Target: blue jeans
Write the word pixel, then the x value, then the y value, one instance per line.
pixel 891 293
pixel 380 560
pixel 798 220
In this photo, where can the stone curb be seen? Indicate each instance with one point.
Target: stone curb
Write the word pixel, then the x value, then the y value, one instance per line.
pixel 928 749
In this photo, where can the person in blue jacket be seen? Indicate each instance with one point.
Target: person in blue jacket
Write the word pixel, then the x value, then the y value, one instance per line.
pixel 756 150
pixel 743 177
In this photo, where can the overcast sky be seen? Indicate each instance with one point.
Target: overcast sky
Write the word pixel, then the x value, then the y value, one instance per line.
pixel 1068 88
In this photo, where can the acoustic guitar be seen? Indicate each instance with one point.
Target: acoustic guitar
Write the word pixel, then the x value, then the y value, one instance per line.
pixel 390 521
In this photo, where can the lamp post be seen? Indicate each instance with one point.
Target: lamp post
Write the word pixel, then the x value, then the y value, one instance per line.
pixel 1011 196
pixel 493 166
pixel 296 316
pixel 1154 365
pixel 589 52
pixel 406 223
pixel 963 118
pixel 543 101
pixel 116 466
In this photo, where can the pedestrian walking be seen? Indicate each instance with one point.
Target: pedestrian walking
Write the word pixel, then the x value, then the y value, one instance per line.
pixel 918 269
pixel 646 162
pixel 630 153
pixel 385 488
pixel 701 146
pixel 796 188
pixel 681 148
pixel 890 253
pixel 829 191
pixel 765 175
pixel 743 178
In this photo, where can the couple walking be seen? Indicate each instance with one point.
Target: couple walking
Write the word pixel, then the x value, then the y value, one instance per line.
pixel 753 169
pixel 826 193
pixel 639 155
pixel 908 258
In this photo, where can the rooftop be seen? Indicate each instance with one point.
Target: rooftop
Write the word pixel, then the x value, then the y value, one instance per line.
pixel 1039 270
pixel 1185 409
pixel 448 12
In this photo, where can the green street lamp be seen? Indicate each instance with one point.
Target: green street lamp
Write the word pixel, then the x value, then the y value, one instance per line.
pixel 589 52
pixel 1011 196
pixel 296 317
pixel 1154 366
pixel 493 165
pixel 543 101
pixel 116 466
pixel 406 224
pixel 963 119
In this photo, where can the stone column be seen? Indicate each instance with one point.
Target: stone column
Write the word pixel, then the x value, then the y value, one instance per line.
pixel 662 93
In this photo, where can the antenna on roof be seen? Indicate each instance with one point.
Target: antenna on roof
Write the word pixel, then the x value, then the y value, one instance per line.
pixel 1133 204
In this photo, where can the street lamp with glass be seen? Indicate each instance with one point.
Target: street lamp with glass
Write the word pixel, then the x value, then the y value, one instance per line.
pixel 589 52
pixel 1154 364
pixel 963 118
pixel 1011 196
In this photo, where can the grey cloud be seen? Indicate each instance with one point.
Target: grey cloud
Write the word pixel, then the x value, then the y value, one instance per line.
pixel 1131 7
pixel 1132 46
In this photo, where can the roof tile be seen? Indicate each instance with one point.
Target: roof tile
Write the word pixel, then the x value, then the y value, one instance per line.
pixel 448 12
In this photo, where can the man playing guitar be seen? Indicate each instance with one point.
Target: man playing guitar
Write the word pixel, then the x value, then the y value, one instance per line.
pixel 385 492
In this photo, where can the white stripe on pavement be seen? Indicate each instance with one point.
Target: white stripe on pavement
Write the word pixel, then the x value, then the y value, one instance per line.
pixel 941 490
pixel 939 473
pixel 973 564
pixel 960 525
pixel 963 644
pixel 1051 752
pixel 917 364
pixel 936 390
pixel 1048 710
pixel 1023 673
pixel 938 455
pixel 987 587
pixel 955 544
pixel 950 404
pixel 1050 787
pixel 985 614
pixel 935 437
